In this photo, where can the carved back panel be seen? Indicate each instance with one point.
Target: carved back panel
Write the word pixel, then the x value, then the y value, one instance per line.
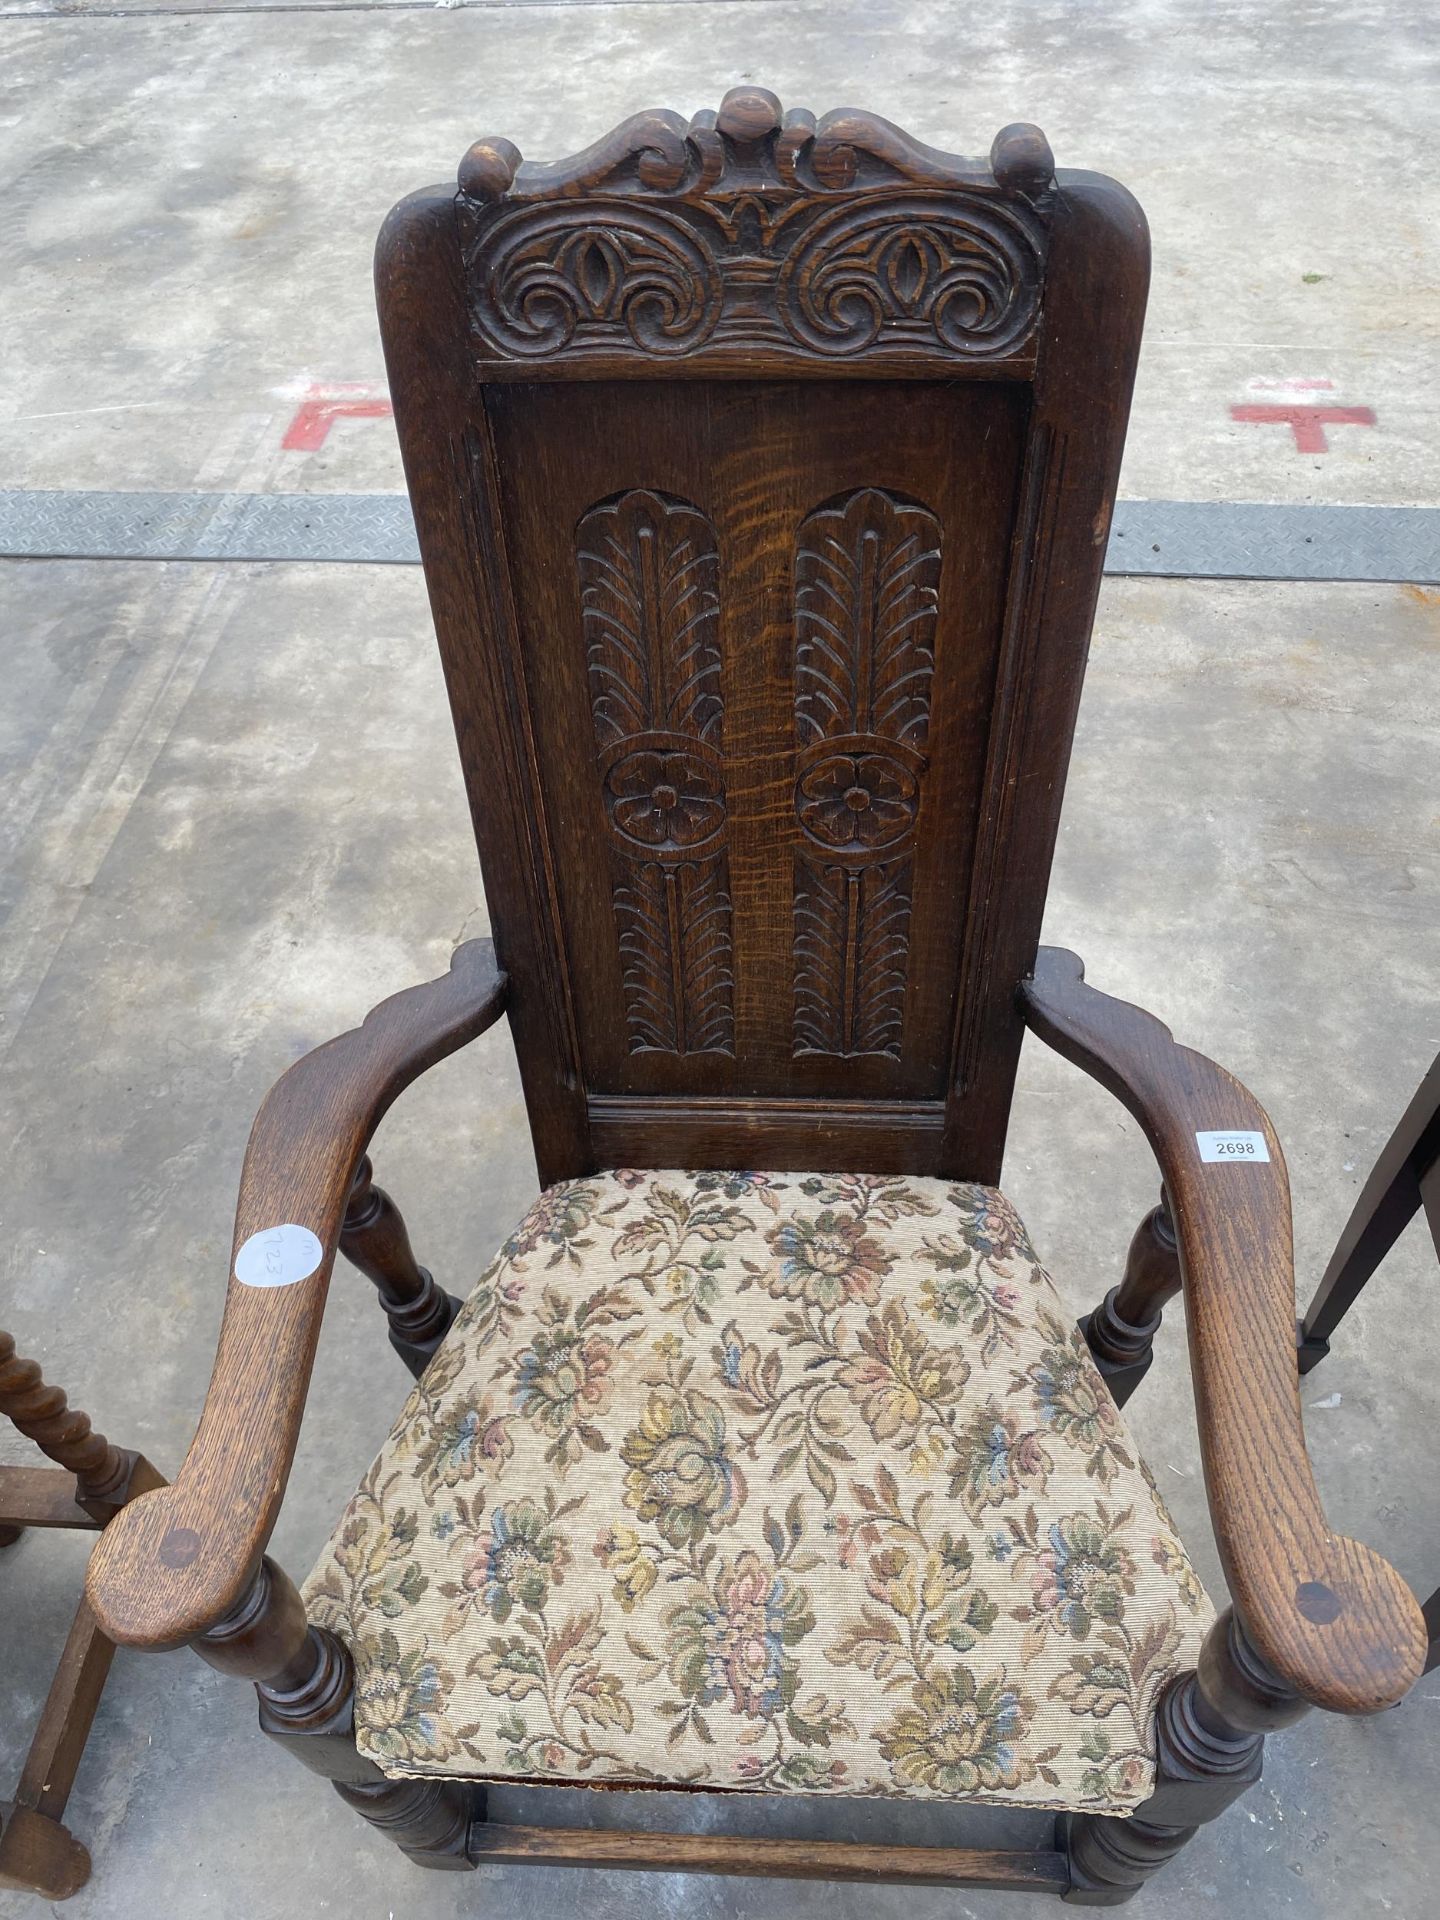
pixel 762 469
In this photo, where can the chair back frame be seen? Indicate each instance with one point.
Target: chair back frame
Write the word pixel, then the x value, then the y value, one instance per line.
pixel 763 470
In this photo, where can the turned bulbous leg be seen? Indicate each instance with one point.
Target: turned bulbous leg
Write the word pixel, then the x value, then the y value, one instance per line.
pixel 427 1819
pixel 375 1239
pixel 305 1681
pixel 1120 1333
pixel 1209 1740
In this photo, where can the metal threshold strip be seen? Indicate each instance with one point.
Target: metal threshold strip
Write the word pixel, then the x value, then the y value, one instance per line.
pixel 1177 539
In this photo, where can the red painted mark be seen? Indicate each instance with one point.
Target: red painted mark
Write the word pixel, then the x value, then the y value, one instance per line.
pixel 1306 422
pixel 1305 416
pixel 329 401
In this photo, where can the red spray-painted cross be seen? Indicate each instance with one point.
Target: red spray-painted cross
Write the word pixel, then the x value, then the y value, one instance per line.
pixel 1307 423
pixel 325 402
pixel 1306 419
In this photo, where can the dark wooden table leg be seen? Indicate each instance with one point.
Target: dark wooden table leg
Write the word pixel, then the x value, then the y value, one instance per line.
pixel 1404 1178
pixel 1431 1611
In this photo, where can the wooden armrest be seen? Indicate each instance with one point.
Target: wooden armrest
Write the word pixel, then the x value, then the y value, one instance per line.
pixel 1333 1619
pixel 177 1560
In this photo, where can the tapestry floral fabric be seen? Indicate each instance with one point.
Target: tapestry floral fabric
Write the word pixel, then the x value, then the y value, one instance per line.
pixel 789 1482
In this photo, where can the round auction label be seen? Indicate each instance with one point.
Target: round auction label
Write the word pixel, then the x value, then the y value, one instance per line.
pixel 278 1257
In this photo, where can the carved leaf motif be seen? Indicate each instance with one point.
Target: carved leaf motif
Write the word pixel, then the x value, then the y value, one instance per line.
pixel 675 952
pixel 867 575
pixel 852 945
pixel 650 606
pixel 650 602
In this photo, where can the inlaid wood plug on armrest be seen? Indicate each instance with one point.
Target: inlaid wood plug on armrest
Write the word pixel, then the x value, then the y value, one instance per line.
pixel 177 1560
pixel 1332 1619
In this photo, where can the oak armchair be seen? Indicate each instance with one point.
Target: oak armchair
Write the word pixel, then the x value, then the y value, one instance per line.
pixel 762 469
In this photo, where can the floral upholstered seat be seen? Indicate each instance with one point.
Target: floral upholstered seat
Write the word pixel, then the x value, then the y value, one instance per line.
pixel 789 1482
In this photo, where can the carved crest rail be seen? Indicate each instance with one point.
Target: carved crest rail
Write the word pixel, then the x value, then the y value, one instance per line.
pixel 832 241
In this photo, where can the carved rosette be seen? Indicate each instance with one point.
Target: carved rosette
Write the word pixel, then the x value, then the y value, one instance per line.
pixel 650 605
pixel 867 575
pixel 838 240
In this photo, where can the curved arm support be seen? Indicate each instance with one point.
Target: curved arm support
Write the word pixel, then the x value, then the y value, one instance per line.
pixel 177 1560
pixel 1333 1619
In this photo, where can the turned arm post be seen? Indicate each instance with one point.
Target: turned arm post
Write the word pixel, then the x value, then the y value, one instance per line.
pixel 1209 1738
pixel 373 1237
pixel 106 1476
pixel 305 1680
pixel 267 1638
pixel 1120 1333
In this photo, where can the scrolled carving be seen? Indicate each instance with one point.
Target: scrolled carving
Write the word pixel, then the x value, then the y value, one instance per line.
pixel 590 274
pixel 967 273
pixel 752 141
pixel 650 148
pixel 650 610
pixel 753 230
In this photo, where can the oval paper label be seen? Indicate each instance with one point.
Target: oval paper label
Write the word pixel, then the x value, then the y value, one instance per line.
pixel 278 1257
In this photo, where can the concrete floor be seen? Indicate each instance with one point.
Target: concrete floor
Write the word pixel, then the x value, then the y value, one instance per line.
pixel 231 819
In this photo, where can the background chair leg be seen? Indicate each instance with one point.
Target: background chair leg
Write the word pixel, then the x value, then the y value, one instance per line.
pixel 1404 1179
pixel 1431 1611
pixel 1310 1348
pixel 1208 1750
pixel 40 1855
pixel 106 1475
pixel 305 1680
pixel 374 1238
pixel 37 1852
pixel 1120 1332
